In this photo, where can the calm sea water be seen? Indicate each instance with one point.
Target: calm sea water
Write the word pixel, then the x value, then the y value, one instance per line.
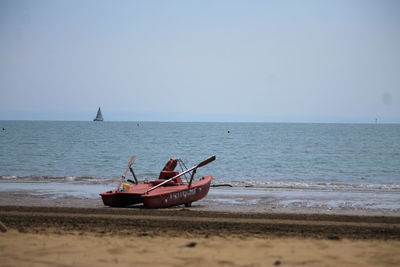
pixel 332 157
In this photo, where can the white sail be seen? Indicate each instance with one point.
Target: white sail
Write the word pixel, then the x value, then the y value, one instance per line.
pixel 99 116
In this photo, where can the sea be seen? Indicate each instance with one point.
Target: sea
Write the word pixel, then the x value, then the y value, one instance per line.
pixel 298 165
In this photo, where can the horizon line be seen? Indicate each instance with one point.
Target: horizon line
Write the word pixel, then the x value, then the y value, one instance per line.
pixel 201 121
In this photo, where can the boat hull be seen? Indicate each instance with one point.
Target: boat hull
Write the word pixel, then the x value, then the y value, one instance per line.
pixel 120 199
pixel 162 197
pixel 165 197
pixel 133 196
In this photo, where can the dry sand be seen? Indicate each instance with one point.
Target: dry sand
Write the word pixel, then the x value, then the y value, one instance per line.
pixel 73 249
pixel 40 236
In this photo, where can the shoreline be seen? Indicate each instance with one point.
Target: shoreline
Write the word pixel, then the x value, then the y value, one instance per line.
pixel 217 201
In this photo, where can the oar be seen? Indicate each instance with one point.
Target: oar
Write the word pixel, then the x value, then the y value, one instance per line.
pixel 201 164
pixel 134 177
pixel 131 161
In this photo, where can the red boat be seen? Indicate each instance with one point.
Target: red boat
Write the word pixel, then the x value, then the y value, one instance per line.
pixel 168 196
pixel 167 191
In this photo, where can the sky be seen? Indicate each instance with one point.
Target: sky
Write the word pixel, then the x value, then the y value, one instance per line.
pixel 239 61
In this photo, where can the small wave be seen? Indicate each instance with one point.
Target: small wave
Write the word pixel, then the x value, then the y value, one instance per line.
pixel 216 183
pixel 11 177
pixel 310 186
pixel 57 179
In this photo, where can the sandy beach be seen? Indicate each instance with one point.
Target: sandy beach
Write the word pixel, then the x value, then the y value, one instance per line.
pixel 62 236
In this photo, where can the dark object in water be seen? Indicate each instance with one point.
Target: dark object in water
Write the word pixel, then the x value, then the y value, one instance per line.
pixel 277 262
pixel 220 185
pixel 333 237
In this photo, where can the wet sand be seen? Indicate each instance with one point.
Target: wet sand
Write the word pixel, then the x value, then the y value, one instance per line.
pixel 244 203
pixel 64 236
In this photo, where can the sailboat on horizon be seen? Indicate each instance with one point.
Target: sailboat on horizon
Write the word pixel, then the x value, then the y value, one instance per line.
pixel 99 116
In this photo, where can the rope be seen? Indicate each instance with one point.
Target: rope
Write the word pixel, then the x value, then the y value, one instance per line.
pixel 180 162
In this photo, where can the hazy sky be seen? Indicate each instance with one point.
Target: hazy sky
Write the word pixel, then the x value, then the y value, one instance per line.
pixel 311 61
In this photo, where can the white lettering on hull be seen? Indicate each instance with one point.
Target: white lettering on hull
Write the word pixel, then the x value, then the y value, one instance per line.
pixel 182 194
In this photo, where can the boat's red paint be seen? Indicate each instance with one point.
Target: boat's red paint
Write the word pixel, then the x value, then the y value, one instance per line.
pixel 133 196
pixel 171 194
pixel 120 199
pixel 168 196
